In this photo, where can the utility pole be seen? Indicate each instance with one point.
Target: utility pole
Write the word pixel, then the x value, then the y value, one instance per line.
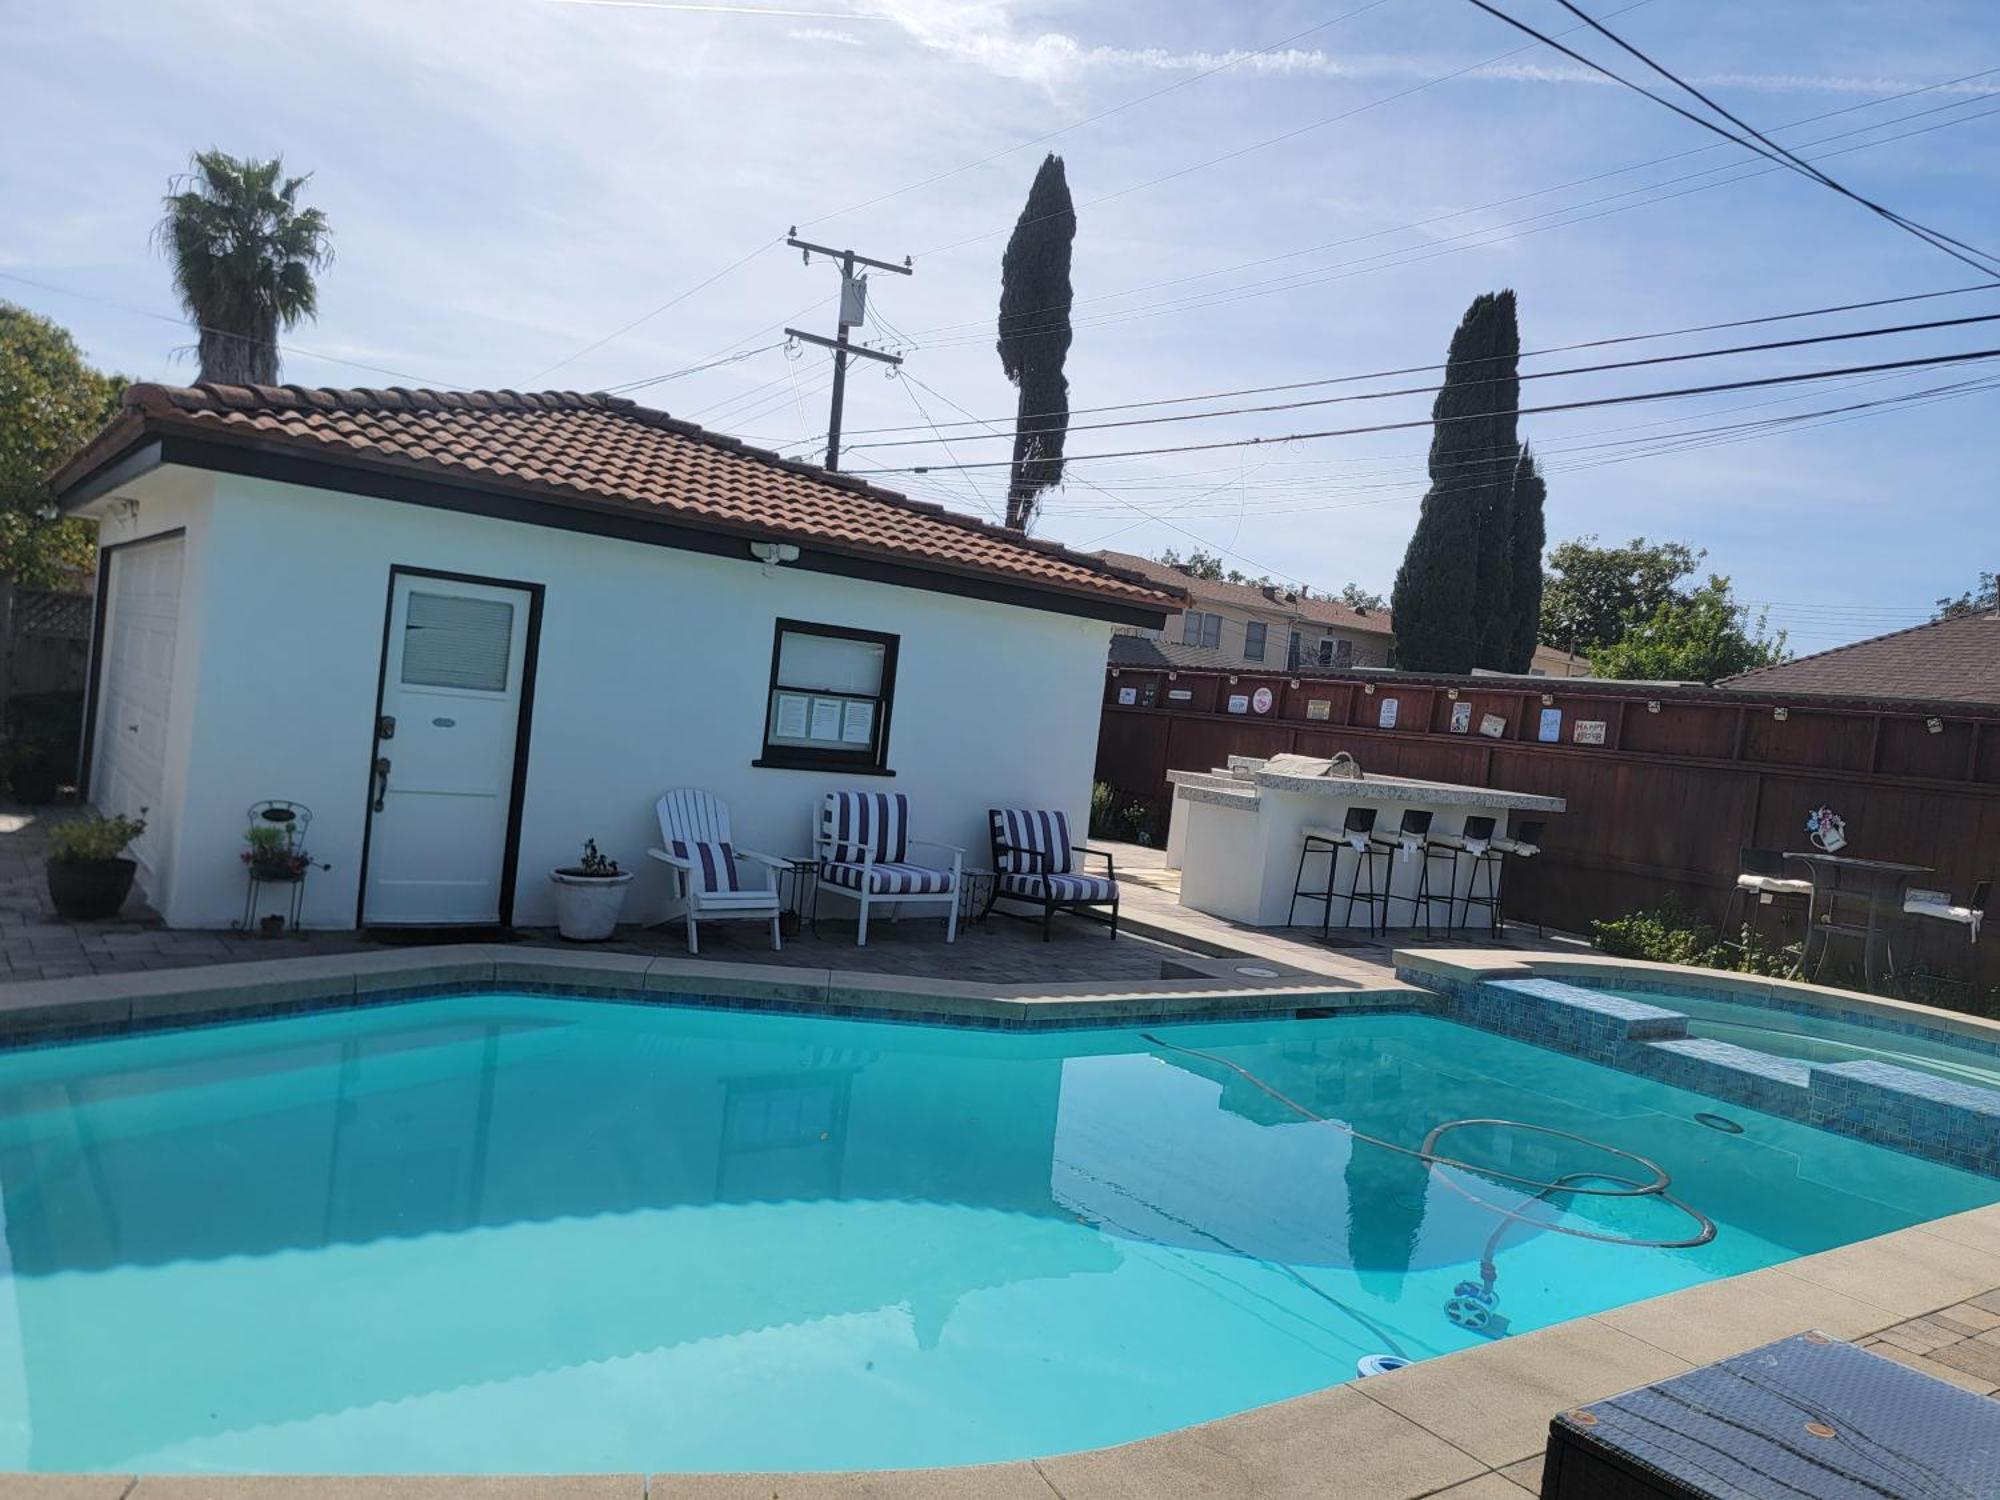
pixel 853 313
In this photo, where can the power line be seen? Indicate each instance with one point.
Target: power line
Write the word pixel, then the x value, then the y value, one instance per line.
pixel 1524 411
pixel 1622 364
pixel 674 301
pixel 1929 236
pixel 1603 343
pixel 627 387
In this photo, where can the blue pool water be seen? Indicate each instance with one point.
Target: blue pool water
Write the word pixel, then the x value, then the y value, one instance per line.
pixel 1826 1039
pixel 512 1233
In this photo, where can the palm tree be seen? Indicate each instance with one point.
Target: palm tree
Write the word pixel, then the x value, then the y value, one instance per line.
pixel 243 254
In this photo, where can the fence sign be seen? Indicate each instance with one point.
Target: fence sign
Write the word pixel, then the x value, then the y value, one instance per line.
pixel 1319 708
pixel 1461 718
pixel 1387 718
pixel 1493 726
pixel 1128 696
pixel 1239 703
pixel 1551 730
pixel 1589 732
pixel 1261 700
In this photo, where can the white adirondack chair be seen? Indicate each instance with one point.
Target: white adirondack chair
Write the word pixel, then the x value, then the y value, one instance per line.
pixel 694 827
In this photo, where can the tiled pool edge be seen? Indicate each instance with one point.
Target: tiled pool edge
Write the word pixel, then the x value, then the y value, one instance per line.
pixel 1533 1000
pixel 49 1012
pixel 1446 1428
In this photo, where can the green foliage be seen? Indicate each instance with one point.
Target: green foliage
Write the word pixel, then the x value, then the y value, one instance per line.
pixel 1974 601
pixel 594 863
pixel 1441 625
pixel 1671 934
pixel 1530 536
pixel 89 841
pixel 1354 596
pixel 243 255
pixel 1130 820
pixel 1694 637
pixel 1593 594
pixel 1035 336
pixel 51 404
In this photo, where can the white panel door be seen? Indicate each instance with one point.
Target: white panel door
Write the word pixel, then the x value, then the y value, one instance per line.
pixel 135 685
pixel 443 787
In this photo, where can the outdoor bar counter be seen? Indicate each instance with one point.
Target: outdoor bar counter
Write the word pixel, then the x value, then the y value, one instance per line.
pixel 1236 835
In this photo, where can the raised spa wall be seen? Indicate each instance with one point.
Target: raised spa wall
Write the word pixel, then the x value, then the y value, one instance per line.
pixel 1923 1115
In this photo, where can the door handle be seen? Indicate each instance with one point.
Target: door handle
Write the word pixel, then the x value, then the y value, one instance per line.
pixel 381 780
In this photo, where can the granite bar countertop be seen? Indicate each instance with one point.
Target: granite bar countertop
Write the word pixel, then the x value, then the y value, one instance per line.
pixel 1242 790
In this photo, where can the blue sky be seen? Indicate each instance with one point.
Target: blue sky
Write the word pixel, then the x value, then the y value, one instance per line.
pixel 512 180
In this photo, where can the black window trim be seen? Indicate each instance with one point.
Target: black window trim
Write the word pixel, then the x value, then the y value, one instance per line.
pixel 871 762
pixel 1263 640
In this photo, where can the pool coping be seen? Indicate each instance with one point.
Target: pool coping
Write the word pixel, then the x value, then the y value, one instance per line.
pixel 1465 1424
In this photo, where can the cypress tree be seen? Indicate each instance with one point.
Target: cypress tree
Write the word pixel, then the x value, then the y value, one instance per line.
pixel 1435 603
pixel 1035 335
pixel 1499 392
pixel 1530 535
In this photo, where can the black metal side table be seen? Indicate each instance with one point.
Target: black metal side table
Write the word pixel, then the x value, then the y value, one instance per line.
pixel 798 890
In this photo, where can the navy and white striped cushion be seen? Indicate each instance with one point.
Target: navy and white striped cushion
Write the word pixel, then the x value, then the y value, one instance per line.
pixel 714 865
pixel 1090 888
pixel 855 825
pixel 892 879
pixel 1045 833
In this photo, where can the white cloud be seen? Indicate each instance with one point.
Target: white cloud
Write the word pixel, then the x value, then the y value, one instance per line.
pixel 825 34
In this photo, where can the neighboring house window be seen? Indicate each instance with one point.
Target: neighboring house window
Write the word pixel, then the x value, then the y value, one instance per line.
pixel 1326 652
pixel 1198 629
pixel 1253 641
pixel 1292 653
pixel 1343 653
pixel 831 689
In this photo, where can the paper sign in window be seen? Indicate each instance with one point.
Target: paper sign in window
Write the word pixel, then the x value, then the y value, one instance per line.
pixel 857 723
pixel 826 719
pixel 792 711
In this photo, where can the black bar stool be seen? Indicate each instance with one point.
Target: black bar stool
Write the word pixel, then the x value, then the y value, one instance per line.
pixel 1761 881
pixel 1412 836
pixel 1525 842
pixel 1475 842
pixel 1356 834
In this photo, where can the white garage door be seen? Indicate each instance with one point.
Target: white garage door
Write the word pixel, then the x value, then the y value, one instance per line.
pixel 142 615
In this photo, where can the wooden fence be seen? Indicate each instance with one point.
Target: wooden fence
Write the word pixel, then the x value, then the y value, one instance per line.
pixel 1665 785
pixel 44 641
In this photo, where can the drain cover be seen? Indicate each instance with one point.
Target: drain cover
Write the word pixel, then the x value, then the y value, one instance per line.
pixel 1719 1122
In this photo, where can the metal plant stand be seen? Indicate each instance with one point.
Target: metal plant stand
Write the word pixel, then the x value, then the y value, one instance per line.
pixel 275 844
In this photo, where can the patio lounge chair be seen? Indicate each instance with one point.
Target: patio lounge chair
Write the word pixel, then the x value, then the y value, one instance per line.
pixel 694 827
pixel 863 845
pixel 1033 861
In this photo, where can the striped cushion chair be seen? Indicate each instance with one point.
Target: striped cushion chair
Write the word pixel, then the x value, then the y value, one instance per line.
pixel 694 830
pixel 863 847
pixel 1034 861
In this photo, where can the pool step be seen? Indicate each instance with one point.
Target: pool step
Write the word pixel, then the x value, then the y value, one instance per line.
pixel 1935 1118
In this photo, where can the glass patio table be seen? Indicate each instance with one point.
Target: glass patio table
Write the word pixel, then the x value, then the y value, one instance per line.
pixel 1873 884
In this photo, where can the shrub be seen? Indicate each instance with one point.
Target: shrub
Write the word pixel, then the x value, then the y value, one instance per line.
pixel 1671 934
pixel 1130 820
pixel 92 840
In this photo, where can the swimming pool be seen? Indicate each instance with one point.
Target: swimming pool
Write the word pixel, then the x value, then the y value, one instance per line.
pixel 526 1234
pixel 1821 1037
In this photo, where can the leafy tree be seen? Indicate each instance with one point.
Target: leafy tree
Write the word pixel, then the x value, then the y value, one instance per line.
pixel 243 255
pixel 1035 336
pixel 1976 601
pixel 1698 636
pixel 1436 593
pixel 1593 593
pixel 1354 596
pixel 1530 535
pixel 51 404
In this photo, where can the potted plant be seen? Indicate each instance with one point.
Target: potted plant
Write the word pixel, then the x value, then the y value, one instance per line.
pixel 89 878
pixel 271 854
pixel 589 896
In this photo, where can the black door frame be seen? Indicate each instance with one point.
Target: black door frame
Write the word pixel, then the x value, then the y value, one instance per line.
pixel 510 855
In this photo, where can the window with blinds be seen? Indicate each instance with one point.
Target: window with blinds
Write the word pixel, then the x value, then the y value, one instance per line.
pixel 451 641
pixel 829 697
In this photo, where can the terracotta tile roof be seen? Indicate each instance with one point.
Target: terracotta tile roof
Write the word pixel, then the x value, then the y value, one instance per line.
pixel 1328 612
pixel 1947 661
pixel 594 449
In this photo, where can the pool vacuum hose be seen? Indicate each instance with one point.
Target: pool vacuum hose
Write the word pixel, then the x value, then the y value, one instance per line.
pixel 1473 1303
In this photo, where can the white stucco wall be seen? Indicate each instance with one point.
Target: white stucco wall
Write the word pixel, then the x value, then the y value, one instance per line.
pixel 654 668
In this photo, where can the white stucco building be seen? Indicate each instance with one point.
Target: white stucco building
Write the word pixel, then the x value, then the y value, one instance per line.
pixel 469 631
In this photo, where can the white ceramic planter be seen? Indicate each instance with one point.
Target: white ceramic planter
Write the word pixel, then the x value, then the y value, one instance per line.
pixel 587 906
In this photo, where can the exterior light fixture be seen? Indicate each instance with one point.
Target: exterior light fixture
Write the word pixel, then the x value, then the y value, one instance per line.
pixel 1368 688
pixel 1173 677
pixel 1232 679
pixel 1652 705
pixel 1451 693
pixel 772 553
pixel 1781 714
pixel 1114 671
pixel 1295 682
pixel 1548 700
pixel 1935 726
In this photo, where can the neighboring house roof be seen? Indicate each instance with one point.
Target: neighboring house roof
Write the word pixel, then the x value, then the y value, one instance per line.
pixel 1946 661
pixel 1144 651
pixel 598 456
pixel 1318 611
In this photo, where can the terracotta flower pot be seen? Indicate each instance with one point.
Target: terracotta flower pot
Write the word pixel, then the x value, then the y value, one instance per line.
pixel 90 890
